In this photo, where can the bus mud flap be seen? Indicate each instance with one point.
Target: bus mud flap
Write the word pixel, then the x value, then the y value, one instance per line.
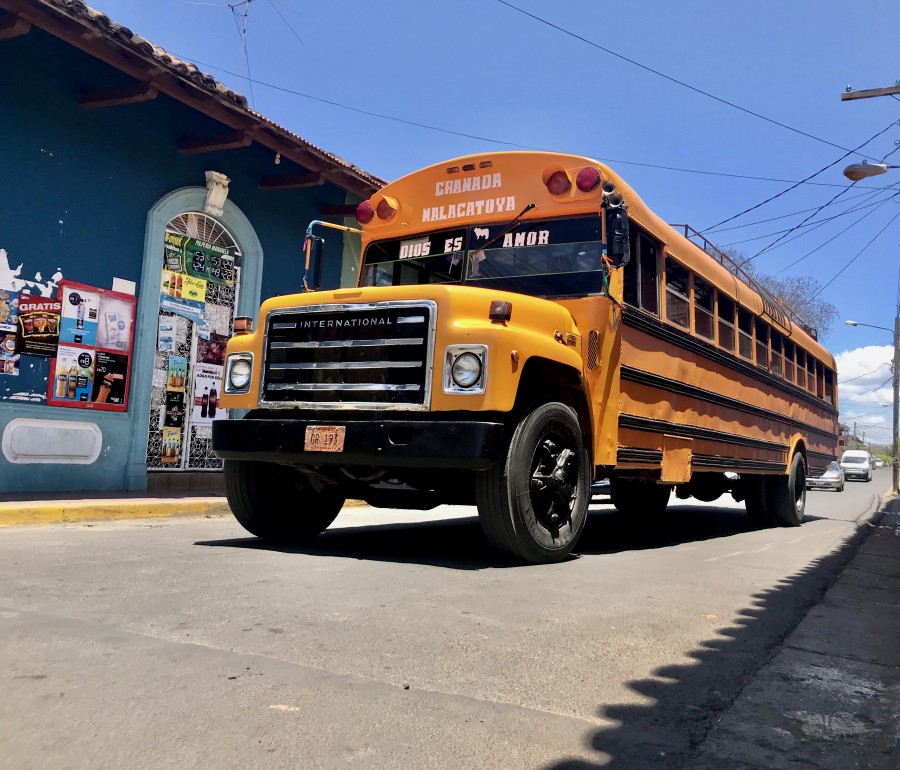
pixel 676 459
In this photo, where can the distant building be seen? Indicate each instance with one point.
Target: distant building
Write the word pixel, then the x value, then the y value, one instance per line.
pixel 123 168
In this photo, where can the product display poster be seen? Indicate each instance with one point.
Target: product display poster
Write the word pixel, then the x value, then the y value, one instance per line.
pixel 207 383
pixel 177 373
pixel 80 315
pixel 39 320
pixel 173 416
pixel 200 259
pixel 170 452
pixel 73 376
pixel 212 351
pixel 114 325
pixel 9 359
pixel 9 310
pixel 183 294
pixel 110 373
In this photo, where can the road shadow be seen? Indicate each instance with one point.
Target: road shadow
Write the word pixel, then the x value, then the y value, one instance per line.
pixel 459 543
pixel 685 701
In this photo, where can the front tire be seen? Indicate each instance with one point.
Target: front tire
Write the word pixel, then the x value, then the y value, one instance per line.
pixel 277 502
pixel 533 502
pixel 787 494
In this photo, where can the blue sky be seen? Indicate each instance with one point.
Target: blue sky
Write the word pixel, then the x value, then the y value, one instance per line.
pixel 481 75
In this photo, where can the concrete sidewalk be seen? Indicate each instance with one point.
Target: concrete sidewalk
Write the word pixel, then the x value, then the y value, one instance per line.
pixel 24 509
pixel 830 696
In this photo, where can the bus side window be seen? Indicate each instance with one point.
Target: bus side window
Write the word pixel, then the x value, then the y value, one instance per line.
pixel 641 277
pixel 801 368
pixel 820 380
pixel 789 360
pixel 649 275
pixel 726 323
pixel 777 368
pixel 677 294
pixel 745 334
pixel 829 386
pixel 704 307
pixel 630 270
pixel 762 344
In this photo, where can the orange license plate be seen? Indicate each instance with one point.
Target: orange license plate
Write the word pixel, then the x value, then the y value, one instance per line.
pixel 324 438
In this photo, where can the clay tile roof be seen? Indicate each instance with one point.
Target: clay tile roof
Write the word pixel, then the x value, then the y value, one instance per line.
pixel 93 31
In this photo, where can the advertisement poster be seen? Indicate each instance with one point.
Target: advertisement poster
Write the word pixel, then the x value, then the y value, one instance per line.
pixel 177 373
pixel 212 351
pixel 39 319
pixel 92 363
pixel 207 382
pixel 73 375
pixel 114 326
pixel 80 314
pixel 166 334
pixel 173 416
pixel 110 372
pixel 9 310
pixel 199 259
pixel 170 454
pixel 9 359
pixel 183 294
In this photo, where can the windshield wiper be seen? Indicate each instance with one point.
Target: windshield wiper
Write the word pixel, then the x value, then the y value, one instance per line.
pixel 507 229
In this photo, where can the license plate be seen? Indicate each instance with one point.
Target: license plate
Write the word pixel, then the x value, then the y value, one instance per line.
pixel 324 438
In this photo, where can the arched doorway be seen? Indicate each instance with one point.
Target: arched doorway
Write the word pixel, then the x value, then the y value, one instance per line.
pixel 199 280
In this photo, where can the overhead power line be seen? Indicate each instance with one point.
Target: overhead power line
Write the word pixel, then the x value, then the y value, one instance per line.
pixel 670 78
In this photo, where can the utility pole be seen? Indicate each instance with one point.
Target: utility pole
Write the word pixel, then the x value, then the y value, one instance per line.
pixel 895 460
pixel 850 94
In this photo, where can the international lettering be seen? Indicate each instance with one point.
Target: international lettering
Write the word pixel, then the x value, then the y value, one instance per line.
pixel 338 323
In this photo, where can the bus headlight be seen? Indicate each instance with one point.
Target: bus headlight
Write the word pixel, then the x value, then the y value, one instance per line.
pixel 238 371
pixel 465 369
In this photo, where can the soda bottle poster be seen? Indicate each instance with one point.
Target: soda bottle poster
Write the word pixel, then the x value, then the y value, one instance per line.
pixel 183 294
pixel 170 451
pixel 110 373
pixel 207 386
pixel 115 321
pixel 177 373
pixel 80 316
pixel 73 377
pixel 39 322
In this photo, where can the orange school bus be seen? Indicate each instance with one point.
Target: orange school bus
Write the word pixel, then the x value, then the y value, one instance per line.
pixel 523 326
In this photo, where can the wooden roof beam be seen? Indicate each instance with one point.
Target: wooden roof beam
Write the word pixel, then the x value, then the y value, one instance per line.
pixel 130 93
pixel 231 141
pixel 12 25
pixel 290 181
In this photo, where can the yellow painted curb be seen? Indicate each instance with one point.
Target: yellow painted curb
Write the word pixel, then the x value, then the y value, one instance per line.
pixel 69 511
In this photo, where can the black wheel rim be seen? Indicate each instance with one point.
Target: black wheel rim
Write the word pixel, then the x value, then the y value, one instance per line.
pixel 553 483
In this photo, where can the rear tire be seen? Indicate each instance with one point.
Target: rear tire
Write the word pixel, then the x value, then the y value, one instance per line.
pixel 787 494
pixel 756 500
pixel 639 498
pixel 533 502
pixel 277 502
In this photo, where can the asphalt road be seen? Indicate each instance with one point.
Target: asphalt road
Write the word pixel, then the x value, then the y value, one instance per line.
pixel 397 640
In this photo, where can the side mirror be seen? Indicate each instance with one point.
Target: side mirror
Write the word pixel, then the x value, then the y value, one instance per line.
pixel 617 241
pixel 315 255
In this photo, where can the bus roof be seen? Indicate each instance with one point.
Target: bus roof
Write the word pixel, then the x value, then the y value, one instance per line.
pixel 496 187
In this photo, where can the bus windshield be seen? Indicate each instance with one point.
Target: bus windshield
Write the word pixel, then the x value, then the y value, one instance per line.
pixel 543 258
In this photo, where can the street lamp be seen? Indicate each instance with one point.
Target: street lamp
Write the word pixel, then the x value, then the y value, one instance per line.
pixel 858 171
pixel 895 460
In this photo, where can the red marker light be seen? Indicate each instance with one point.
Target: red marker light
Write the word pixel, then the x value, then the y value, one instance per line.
pixel 588 179
pixel 559 183
pixel 386 208
pixel 364 213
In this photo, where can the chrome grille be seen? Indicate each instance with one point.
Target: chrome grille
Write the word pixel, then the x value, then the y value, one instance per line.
pixel 350 356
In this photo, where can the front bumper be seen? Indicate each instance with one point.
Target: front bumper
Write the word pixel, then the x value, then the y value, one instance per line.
pixel 367 443
pixel 856 474
pixel 819 484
